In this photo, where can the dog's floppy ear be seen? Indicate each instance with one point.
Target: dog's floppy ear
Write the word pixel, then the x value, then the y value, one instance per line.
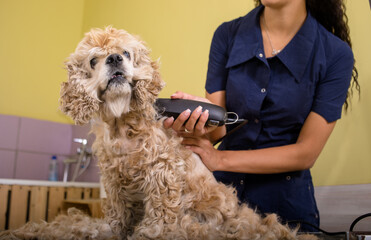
pixel 148 81
pixel 157 83
pixel 146 90
pixel 74 100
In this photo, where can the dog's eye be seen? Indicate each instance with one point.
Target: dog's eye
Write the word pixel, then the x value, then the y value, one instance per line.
pixel 127 54
pixel 93 62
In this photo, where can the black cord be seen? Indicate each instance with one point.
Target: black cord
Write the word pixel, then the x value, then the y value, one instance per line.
pixel 317 228
pixel 357 220
pixel 232 131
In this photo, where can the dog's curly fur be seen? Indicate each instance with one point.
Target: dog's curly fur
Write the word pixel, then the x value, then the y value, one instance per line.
pixel 74 226
pixel 156 188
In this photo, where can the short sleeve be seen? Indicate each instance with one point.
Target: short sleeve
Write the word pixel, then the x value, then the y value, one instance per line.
pixel 332 90
pixel 218 57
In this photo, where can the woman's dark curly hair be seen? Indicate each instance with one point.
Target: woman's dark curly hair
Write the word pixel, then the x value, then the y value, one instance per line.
pixel 331 14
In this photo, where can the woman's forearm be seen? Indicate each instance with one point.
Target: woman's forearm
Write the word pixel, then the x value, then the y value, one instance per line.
pixel 298 156
pixel 264 161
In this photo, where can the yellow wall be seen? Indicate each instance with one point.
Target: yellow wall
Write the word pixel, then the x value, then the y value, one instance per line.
pixel 346 158
pixel 37 36
pixel 178 32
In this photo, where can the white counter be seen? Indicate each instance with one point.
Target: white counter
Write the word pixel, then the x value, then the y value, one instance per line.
pixel 6 181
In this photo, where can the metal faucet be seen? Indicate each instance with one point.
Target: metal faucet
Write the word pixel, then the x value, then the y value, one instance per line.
pixel 82 163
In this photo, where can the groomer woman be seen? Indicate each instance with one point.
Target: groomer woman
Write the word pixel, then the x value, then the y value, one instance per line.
pixel 286 67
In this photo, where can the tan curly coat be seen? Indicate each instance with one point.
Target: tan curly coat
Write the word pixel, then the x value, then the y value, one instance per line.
pixel 156 188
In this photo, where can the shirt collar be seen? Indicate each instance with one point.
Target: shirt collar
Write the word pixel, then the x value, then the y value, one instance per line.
pixel 249 43
pixel 248 39
pixel 295 56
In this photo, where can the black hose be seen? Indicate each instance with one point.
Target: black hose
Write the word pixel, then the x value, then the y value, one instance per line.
pixel 317 228
pixel 357 220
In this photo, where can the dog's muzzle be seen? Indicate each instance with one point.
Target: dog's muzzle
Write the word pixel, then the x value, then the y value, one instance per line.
pixel 114 60
pixel 116 78
pixel 115 63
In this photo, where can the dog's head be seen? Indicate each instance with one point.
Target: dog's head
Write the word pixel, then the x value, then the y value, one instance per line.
pixel 109 74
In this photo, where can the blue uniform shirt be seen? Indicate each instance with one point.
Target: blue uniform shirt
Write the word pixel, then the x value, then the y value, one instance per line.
pixel 312 73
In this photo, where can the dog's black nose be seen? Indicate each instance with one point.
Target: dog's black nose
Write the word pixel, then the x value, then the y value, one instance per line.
pixel 114 60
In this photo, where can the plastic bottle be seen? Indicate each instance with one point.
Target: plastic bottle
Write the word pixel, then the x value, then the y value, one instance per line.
pixel 53 169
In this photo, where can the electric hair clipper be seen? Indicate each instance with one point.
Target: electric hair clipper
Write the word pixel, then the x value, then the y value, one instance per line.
pixel 217 115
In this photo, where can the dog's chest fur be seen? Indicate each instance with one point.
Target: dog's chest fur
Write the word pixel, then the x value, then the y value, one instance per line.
pixel 139 153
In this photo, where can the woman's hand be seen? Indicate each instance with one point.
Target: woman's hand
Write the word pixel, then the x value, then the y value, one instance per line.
pixel 190 123
pixel 192 127
pixel 211 157
pixel 183 95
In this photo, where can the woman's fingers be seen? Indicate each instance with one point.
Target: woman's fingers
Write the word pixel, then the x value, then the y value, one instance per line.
pixel 168 122
pixel 200 127
pixel 192 120
pixel 181 119
pixel 188 122
pixel 182 95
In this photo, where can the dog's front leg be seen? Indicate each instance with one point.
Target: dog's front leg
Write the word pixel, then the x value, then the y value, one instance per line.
pixel 123 215
pixel 116 215
pixel 120 211
pixel 162 206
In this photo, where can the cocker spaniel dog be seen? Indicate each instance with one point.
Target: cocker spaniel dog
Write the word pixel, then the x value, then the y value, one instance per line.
pixel 156 188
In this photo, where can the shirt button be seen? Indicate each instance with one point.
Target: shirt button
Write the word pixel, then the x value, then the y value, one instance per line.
pixel 263 90
pixel 241 182
pixel 261 55
pixel 288 178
